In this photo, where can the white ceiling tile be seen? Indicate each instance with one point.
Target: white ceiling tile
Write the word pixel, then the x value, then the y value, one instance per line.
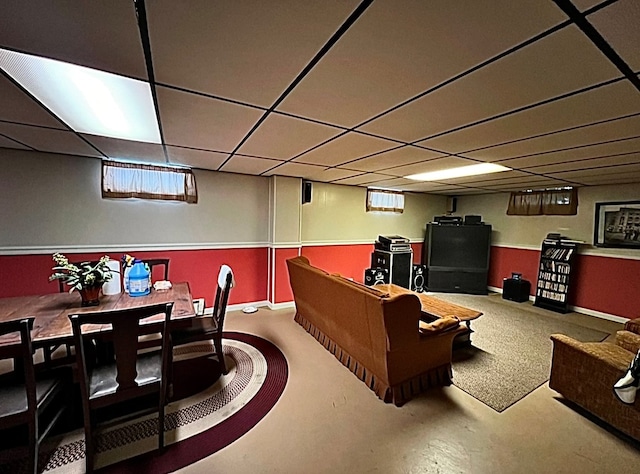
pixel 364 178
pixel 437 164
pixel 632 158
pixel 584 136
pixel 583 5
pixel 611 178
pixel 586 152
pixel 100 35
pixel 48 139
pixel 327 175
pixel 128 150
pixel 284 137
pixel 534 184
pixel 603 103
pixel 201 122
pixel 400 48
pixel 562 62
pixel 249 165
pixel 504 177
pixel 393 158
pixel 207 160
pixel 295 169
pixel 17 106
pixel 594 173
pixel 429 186
pixel 7 143
pixel 346 148
pixel 467 191
pixel 394 183
pixel 619 24
pixel 248 51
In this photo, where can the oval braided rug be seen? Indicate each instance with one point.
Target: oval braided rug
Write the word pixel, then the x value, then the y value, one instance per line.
pixel 196 426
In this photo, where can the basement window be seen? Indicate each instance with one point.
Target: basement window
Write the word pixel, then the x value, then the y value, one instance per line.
pixel 549 202
pixel 382 200
pixel 132 180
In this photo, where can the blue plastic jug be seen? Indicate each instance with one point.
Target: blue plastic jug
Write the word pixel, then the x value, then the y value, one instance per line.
pixel 139 279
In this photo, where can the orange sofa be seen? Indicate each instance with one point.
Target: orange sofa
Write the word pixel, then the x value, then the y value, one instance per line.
pixel 374 335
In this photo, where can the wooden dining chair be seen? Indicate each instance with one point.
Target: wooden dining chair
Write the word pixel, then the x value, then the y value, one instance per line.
pixel 131 374
pixel 210 327
pixel 25 400
pixel 154 262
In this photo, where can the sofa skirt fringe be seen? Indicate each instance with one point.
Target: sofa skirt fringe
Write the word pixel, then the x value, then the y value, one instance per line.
pixel 397 394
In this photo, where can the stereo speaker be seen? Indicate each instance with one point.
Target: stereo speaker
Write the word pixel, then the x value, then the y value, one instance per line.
pixel 452 204
pixel 398 265
pixel 418 282
pixel 376 276
pixel 472 220
pixel 307 186
pixel 516 289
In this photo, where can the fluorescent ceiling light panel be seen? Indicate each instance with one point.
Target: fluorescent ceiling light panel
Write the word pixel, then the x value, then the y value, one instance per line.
pixel 88 100
pixel 471 170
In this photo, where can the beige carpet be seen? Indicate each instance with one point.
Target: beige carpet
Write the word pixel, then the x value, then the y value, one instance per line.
pixel 510 354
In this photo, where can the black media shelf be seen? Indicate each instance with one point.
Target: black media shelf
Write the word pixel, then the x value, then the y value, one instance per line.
pixel 556 263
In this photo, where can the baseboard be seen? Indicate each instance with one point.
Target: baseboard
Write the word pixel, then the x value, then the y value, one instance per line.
pixel 285 305
pixel 599 314
pixel 241 306
pixel 578 309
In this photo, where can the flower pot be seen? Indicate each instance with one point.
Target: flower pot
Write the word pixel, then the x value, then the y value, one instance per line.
pixel 90 295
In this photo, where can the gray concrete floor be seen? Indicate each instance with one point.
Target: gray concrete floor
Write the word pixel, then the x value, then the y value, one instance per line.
pixel 328 421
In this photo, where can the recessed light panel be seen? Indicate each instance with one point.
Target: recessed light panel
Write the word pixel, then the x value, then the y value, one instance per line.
pixel 471 170
pixel 88 100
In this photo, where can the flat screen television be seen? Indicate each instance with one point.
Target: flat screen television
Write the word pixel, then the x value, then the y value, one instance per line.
pixel 458 247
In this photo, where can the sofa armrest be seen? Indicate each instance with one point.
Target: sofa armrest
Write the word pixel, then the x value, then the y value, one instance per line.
pixel 633 325
pixel 611 354
pixel 628 340
pixel 437 326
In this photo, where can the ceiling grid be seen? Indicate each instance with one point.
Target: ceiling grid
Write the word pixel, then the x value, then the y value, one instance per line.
pixel 360 93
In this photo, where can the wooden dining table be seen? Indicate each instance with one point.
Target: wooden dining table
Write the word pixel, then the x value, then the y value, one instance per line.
pixel 53 327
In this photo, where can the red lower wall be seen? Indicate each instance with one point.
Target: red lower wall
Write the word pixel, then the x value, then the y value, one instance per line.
pixel 23 275
pixel 281 289
pixel 350 261
pixel 604 284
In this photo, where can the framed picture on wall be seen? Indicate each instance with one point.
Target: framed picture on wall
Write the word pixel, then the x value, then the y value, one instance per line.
pixel 617 224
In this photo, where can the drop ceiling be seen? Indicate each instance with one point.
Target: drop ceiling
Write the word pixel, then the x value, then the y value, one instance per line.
pixel 353 92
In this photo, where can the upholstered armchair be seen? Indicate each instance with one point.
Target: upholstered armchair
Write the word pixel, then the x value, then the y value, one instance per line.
pixel 585 372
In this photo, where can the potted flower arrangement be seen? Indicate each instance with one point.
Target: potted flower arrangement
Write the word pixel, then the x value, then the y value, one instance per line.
pixel 86 277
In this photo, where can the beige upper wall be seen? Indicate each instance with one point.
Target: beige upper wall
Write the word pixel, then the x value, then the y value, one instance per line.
pixel 337 214
pixel 49 200
pixel 285 210
pixel 529 231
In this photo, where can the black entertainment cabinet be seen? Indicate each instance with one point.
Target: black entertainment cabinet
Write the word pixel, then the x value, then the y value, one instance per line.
pixel 457 257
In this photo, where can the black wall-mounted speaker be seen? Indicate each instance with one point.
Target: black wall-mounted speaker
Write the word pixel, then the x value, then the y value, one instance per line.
pixel 376 276
pixel 418 281
pixel 452 204
pixel 307 187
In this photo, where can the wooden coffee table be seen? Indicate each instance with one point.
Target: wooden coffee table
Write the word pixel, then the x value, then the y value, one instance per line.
pixel 434 308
